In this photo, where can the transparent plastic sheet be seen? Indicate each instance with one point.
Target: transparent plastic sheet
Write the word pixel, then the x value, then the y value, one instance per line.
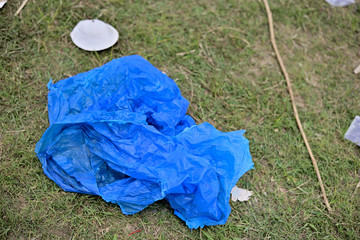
pixel 121 131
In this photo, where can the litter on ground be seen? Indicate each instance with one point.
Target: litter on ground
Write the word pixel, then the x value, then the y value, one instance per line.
pixel 340 3
pixel 94 35
pixel 357 70
pixel 353 133
pixel 240 194
pixel 121 131
pixel 2 3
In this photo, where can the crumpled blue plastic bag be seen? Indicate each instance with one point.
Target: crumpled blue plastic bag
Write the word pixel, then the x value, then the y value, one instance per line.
pixel 121 131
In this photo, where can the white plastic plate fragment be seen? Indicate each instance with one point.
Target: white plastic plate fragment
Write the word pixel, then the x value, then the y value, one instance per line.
pixel 240 194
pixel 357 70
pixel 94 35
pixel 2 3
pixel 353 133
pixel 340 3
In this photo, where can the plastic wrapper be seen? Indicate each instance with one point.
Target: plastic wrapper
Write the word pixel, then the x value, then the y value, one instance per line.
pixel 121 131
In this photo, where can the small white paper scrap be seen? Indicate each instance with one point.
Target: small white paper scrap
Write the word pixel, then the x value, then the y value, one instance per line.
pixel 240 194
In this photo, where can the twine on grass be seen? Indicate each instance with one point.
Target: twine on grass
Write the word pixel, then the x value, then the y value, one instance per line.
pixel 288 82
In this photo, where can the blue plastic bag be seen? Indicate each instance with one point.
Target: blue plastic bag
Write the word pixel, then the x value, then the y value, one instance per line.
pixel 121 131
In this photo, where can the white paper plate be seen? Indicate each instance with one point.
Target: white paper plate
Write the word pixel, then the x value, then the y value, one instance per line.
pixel 94 35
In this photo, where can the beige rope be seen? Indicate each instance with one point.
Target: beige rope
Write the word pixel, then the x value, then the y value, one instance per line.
pixel 283 69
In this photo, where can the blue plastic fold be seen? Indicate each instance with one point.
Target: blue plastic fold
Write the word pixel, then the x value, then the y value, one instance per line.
pixel 121 131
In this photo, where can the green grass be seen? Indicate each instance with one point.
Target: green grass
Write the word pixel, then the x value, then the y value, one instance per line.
pixel 232 80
